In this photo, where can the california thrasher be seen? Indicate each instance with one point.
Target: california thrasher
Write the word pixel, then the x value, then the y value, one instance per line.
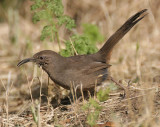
pixel 82 70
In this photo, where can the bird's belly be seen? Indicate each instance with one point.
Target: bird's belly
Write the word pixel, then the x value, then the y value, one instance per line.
pixel 79 80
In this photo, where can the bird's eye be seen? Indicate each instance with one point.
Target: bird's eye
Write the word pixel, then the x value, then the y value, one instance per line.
pixel 41 57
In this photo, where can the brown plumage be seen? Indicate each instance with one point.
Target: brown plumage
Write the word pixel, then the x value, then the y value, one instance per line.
pixel 85 70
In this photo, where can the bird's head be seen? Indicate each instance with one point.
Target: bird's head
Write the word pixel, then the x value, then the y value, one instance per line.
pixel 42 58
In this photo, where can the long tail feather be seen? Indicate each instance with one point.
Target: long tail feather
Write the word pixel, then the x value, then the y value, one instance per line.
pixel 114 39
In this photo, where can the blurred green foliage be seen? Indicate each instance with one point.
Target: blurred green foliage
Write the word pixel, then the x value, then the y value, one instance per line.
pixel 52 13
pixel 93 33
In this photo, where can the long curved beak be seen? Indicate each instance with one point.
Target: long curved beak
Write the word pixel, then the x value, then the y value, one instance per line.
pixel 26 61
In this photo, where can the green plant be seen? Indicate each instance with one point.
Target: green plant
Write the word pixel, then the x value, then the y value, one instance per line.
pixel 52 13
pixel 103 94
pixel 85 43
pixel 78 44
pixel 34 114
pixel 93 109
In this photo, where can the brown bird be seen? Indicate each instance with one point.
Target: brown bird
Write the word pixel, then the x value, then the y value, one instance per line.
pixel 82 70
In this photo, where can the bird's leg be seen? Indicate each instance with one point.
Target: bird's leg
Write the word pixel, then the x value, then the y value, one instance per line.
pixel 117 83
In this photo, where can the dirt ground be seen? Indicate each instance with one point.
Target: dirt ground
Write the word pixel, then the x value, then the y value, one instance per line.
pixel 138 70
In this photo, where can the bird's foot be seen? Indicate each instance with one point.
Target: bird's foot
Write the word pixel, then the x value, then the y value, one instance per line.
pixel 121 86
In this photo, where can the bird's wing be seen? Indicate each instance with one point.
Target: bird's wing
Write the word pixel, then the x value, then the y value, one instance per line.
pixel 94 67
